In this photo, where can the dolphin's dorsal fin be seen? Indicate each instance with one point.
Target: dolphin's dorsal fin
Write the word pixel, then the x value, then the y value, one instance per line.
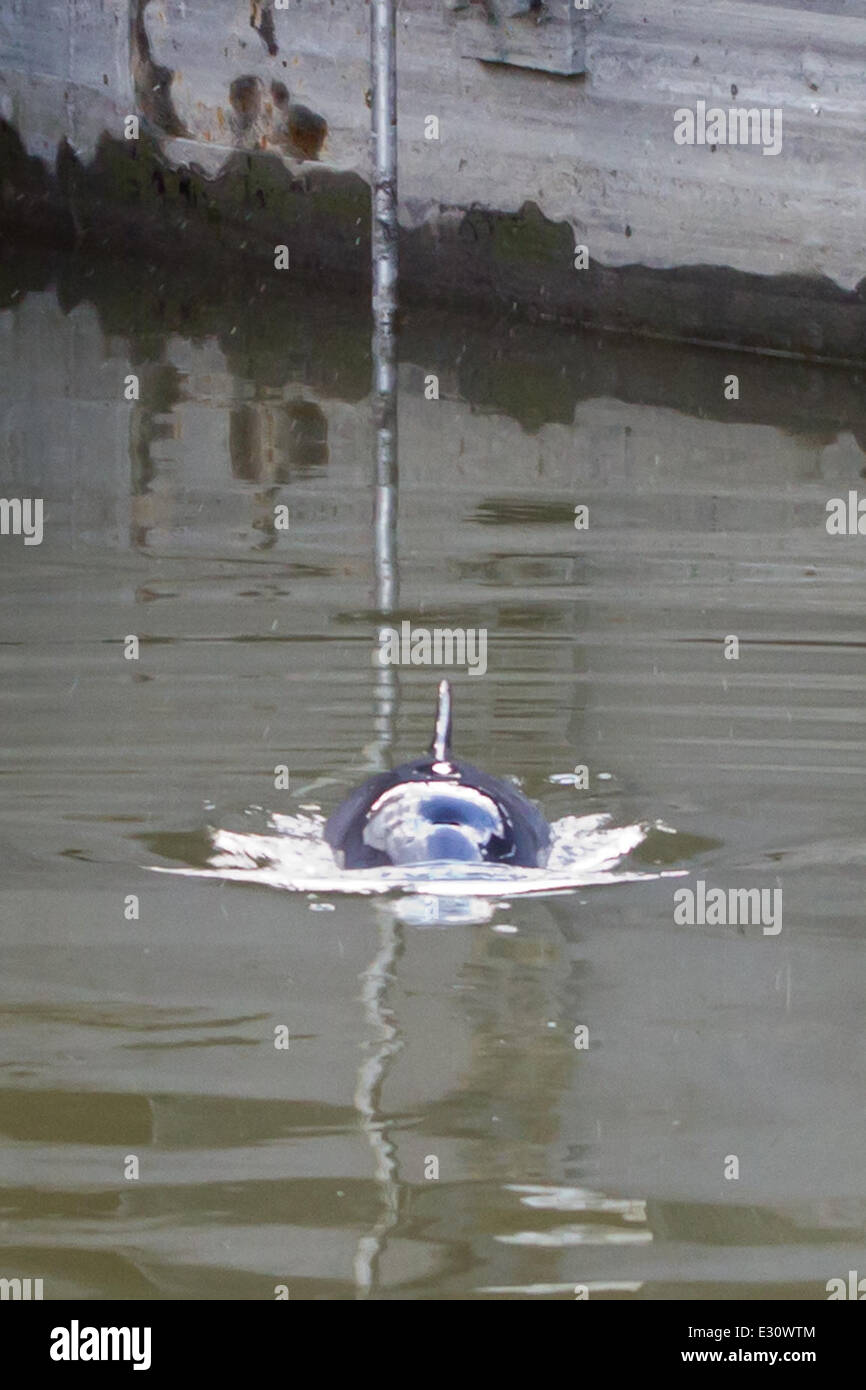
pixel 441 745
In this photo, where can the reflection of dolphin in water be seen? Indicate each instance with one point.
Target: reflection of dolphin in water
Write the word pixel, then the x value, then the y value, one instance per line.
pixel 437 809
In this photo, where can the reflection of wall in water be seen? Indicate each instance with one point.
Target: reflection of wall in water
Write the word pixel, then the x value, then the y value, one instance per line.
pixel 587 639
pixel 150 424
pixel 276 443
pixel 273 444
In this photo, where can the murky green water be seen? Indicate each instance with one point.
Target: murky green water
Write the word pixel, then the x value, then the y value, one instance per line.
pixel 154 1038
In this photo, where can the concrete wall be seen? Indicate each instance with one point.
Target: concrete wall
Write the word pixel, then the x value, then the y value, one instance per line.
pixel 254 131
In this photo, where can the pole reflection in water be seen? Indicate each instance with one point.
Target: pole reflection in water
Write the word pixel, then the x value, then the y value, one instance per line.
pixel 377 977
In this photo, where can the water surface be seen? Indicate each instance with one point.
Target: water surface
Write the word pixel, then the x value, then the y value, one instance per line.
pixel 430 1040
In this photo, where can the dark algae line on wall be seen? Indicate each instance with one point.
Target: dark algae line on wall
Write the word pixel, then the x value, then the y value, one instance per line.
pixel 130 196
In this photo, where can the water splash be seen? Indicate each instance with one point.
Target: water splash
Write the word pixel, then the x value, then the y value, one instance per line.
pixel 294 856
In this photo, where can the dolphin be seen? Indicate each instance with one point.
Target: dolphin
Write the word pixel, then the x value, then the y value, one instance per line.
pixel 437 809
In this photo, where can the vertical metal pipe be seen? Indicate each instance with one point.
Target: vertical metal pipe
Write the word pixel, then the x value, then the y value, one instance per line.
pixel 383 66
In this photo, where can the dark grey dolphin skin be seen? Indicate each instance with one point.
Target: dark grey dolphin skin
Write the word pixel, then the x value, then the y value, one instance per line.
pixel 436 809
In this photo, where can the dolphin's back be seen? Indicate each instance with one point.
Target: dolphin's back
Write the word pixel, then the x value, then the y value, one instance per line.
pixel 437 808
pixel 384 820
pixel 344 831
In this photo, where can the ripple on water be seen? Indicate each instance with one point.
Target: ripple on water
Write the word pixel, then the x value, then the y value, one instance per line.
pixel 294 857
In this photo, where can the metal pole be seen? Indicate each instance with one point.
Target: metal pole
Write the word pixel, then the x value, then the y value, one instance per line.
pixel 383 66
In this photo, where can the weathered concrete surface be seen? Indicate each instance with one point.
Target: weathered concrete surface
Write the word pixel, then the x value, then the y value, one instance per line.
pixel 254 132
